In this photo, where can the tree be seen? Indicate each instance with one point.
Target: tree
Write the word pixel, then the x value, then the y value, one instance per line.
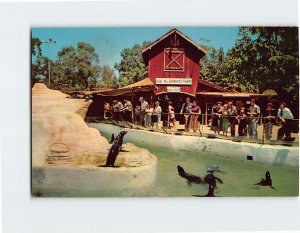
pixel 132 68
pixel 262 58
pixel 36 49
pixel 108 78
pixel 76 68
pixel 39 69
pixel 269 59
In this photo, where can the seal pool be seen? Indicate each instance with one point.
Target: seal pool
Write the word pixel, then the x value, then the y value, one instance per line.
pixel 238 177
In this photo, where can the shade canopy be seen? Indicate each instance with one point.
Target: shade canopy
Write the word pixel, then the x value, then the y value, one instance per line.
pixel 144 85
pixel 231 94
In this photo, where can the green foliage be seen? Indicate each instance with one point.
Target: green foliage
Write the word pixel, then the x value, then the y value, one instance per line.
pixel 108 78
pixel 75 68
pixel 132 68
pixel 262 58
pixel 36 49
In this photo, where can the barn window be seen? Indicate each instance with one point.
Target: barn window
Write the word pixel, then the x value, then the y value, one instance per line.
pixel 174 59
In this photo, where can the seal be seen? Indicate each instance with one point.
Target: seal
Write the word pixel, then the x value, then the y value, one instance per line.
pixel 267 181
pixel 114 150
pixel 189 177
pixel 211 180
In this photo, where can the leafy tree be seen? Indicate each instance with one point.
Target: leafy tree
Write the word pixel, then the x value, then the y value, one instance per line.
pixel 39 69
pixel 76 68
pixel 36 49
pixel 108 78
pixel 262 58
pixel 132 68
pixel 270 59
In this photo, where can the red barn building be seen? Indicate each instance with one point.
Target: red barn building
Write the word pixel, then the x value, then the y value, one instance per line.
pixel 173 63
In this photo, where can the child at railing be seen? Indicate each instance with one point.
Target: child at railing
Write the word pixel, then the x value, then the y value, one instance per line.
pixel 243 122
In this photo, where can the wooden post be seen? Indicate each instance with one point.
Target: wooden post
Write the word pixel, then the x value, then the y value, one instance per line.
pixel 205 111
pixel 132 109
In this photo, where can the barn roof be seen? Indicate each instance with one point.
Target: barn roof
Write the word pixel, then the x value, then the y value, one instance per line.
pixel 170 33
pixel 140 86
pixel 209 84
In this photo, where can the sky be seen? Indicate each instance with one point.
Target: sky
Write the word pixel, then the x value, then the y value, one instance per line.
pixel 110 41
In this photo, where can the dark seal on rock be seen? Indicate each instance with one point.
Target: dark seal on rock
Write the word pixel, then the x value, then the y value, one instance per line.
pixel 114 150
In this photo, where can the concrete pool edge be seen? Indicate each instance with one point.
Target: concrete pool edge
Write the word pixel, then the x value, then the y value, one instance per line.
pixel 93 178
pixel 268 154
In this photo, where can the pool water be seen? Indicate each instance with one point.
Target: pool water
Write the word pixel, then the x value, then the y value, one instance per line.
pixel 238 177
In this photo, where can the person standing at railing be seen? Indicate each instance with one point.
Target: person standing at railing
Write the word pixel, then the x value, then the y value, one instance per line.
pixel 171 112
pixel 144 104
pixel 242 118
pixel 216 117
pixel 148 114
pixel 185 109
pixel 156 115
pixel 225 119
pixel 106 110
pixel 127 110
pixel 116 110
pixel 285 117
pixel 253 113
pixel 232 113
pixel 195 114
pixel 137 115
pixel 269 119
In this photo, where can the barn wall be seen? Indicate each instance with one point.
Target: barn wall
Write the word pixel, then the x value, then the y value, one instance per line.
pixel 191 65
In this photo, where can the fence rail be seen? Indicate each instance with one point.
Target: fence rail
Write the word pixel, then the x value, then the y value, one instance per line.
pixel 204 128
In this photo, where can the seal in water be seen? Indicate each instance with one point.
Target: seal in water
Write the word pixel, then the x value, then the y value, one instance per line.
pixel 211 180
pixel 114 150
pixel 189 177
pixel 267 181
pixel 112 138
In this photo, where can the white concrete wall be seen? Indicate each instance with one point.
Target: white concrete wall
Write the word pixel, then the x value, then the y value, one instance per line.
pixel 272 154
pixel 93 178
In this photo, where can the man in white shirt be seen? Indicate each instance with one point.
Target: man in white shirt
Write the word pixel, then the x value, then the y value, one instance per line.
pixel 144 104
pixel 127 110
pixel 285 117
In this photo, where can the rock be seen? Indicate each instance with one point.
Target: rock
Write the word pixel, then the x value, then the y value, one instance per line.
pixel 56 127
pixel 66 152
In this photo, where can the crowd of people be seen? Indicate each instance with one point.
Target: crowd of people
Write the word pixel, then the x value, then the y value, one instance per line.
pixel 223 116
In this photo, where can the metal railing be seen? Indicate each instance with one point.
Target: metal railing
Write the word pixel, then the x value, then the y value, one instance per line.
pixel 260 123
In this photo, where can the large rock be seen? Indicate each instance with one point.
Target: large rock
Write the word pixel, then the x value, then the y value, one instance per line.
pixel 54 122
pixel 62 143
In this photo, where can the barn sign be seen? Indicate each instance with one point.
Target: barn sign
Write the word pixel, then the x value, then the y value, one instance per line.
pixel 173 81
pixel 174 89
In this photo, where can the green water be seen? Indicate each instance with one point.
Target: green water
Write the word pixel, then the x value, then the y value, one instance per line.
pixel 238 178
